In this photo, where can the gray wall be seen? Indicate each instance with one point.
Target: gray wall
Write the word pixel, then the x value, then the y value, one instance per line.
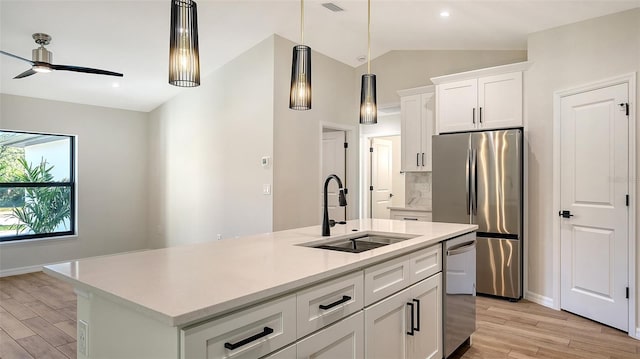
pixel 112 178
pixel 206 145
pixel 562 58
pixel 297 137
pixel 398 70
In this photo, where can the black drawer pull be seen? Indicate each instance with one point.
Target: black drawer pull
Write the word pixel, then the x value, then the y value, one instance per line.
pixel 417 328
pixel 412 321
pixel 410 219
pixel 345 298
pixel 266 331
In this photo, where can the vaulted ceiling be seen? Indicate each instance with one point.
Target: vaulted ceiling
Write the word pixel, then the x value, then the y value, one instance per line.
pixel 132 37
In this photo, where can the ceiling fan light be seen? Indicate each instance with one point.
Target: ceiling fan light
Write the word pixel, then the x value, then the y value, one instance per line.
pixel 41 68
pixel 184 55
pixel 300 95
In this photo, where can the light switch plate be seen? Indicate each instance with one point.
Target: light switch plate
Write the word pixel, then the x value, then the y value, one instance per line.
pixel 266 189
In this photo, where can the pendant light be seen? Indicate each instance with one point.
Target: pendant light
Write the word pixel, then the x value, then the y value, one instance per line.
pixel 368 102
pixel 300 94
pixel 184 58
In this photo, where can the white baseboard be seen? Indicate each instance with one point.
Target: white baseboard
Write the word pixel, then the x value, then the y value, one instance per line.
pixel 637 334
pixel 539 299
pixel 20 270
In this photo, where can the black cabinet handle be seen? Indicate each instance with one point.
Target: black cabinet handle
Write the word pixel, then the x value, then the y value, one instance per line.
pixel 266 331
pixel 412 321
pixel 474 115
pixel 417 328
pixel 345 298
pixel 410 219
pixel 480 114
pixel 417 159
pixel 423 159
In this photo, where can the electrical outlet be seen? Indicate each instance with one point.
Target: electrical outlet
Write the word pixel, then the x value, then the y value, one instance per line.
pixel 219 236
pixel 83 338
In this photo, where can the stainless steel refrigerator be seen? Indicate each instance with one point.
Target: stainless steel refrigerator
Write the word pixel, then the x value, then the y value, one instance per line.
pixel 478 178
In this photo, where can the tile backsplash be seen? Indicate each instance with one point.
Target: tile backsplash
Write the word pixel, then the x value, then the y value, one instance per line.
pixel 418 189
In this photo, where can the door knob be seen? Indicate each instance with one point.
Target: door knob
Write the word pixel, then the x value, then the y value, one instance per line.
pixel 390 195
pixel 565 214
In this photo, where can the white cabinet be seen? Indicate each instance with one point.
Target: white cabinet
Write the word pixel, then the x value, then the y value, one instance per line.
pixel 408 215
pixel 407 324
pixel 286 353
pixel 250 333
pixel 343 340
pixel 427 339
pixel 480 99
pixel 416 114
pixel 328 302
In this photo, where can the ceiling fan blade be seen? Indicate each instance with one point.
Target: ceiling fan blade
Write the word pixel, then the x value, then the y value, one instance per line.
pixel 16 57
pixel 85 70
pixel 25 74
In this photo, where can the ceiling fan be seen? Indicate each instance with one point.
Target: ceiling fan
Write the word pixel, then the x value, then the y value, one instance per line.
pixel 42 60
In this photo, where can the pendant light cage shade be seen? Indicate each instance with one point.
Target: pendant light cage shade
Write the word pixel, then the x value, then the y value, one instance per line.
pixel 184 57
pixel 368 100
pixel 300 96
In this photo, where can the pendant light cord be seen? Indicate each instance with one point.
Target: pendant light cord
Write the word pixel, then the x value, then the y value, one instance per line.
pixel 301 22
pixel 369 36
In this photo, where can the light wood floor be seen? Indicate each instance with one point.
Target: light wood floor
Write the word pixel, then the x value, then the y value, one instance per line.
pixel 38 316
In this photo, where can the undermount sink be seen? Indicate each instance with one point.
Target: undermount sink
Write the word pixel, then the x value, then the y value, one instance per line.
pixel 359 243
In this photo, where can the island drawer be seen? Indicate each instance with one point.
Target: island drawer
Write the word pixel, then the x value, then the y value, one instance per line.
pixel 328 302
pixel 389 277
pixel 425 263
pixel 250 333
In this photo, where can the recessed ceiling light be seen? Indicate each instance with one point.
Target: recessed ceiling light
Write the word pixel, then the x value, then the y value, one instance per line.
pixel 444 14
pixel 361 58
pixel 115 85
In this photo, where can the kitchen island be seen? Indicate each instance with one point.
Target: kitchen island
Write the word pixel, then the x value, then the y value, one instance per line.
pixel 156 303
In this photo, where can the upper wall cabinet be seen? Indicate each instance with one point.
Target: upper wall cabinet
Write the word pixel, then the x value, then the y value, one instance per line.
pixel 416 116
pixel 481 99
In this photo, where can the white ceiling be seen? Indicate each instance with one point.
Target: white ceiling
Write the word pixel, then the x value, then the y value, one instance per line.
pixel 132 37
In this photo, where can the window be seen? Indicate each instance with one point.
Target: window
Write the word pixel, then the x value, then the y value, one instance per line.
pixel 37 185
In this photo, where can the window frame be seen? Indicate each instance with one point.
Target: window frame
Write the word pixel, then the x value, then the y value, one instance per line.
pixel 71 184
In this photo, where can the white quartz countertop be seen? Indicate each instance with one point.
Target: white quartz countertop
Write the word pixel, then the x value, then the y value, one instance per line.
pixel 182 285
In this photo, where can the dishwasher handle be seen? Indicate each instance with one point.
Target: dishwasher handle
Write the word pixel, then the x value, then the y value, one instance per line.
pixel 461 248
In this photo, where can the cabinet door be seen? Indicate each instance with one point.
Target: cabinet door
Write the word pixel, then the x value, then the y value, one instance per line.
pixel 344 340
pixel 410 117
pixel 427 102
pixel 456 106
pixel 286 353
pixel 500 101
pixel 386 327
pixel 427 341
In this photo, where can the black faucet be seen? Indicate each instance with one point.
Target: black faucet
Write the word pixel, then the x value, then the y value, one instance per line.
pixel 343 202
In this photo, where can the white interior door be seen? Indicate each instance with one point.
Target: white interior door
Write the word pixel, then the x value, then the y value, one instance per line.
pixel 594 186
pixel 381 177
pixel 333 162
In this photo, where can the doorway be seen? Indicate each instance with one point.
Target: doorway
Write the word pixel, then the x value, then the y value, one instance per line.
pixel 387 187
pixel 334 161
pixel 382 184
pixel 594 153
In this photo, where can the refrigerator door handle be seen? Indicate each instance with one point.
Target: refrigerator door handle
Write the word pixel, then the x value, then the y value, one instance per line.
pixel 474 182
pixel 468 179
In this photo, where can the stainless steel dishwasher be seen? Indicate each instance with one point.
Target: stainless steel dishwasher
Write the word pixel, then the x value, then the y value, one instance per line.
pixel 460 292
